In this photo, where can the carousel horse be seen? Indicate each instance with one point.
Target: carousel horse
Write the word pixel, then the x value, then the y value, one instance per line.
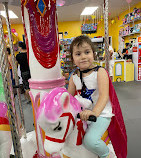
pixel 57 116
pixel 5 134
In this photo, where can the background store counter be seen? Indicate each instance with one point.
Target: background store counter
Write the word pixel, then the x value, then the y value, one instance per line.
pixel 122 71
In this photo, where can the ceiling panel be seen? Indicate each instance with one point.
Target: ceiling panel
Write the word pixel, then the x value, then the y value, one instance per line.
pixel 72 9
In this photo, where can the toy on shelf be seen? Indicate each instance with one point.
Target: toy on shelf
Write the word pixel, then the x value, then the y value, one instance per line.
pixel 130 30
pixel 133 16
pixel 66 61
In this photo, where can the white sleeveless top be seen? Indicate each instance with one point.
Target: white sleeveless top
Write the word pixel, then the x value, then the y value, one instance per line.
pixel 91 83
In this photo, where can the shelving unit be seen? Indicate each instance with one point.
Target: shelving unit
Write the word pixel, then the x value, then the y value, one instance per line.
pixel 66 61
pixel 132 34
pixel 127 31
pixel 129 21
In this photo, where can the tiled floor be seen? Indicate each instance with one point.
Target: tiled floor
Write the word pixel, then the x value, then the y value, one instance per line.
pixel 129 95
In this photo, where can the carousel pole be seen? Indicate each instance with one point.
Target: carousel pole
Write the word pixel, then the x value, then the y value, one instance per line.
pixel 106 41
pixel 4 64
pixel 14 67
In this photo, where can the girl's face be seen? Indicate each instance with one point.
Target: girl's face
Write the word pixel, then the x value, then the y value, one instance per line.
pixel 83 56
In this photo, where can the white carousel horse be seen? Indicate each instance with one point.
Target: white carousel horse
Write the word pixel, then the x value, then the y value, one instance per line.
pixel 57 116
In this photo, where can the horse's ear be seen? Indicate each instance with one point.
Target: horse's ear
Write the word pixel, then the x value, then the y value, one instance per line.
pixel 65 101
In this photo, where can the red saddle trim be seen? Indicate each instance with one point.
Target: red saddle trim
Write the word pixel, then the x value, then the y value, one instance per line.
pixel 4 121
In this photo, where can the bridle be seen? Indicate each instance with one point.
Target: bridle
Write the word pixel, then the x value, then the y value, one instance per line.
pixel 66 132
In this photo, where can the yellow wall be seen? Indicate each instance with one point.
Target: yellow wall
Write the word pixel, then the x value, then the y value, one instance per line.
pixel 19 29
pixel 74 28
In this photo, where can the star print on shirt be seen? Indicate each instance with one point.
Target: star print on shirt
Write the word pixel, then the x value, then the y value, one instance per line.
pixel 86 93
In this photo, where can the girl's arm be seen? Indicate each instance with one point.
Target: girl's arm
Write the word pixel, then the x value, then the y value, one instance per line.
pixel 71 87
pixel 103 86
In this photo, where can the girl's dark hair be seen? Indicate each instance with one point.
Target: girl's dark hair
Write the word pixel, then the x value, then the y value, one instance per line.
pixel 78 41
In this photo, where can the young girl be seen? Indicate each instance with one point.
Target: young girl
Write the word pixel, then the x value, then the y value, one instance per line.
pixel 92 82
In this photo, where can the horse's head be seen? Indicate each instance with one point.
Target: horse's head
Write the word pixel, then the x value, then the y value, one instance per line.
pixel 56 116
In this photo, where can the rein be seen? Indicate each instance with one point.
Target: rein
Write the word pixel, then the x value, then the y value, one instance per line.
pixel 80 129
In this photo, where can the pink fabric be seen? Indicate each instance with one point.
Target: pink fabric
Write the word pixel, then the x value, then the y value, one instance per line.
pixel 3 110
pixel 117 131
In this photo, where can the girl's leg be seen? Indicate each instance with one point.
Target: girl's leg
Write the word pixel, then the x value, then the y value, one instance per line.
pixel 92 139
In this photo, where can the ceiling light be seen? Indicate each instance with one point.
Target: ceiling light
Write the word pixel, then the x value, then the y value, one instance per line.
pixel 89 10
pixel 12 15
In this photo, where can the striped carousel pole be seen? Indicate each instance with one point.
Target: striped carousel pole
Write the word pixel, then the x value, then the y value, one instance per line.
pixel 14 67
pixel 107 54
pixel 7 83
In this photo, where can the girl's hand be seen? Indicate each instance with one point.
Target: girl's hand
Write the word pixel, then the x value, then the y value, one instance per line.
pixel 84 115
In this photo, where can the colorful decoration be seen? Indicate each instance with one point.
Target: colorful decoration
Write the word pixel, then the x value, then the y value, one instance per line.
pixel 128 1
pixel 99 22
pixel 101 18
pixel 42 18
pixel 5 134
pixel 135 15
pixel 14 37
pixel 41 6
pixel 60 3
pixel 113 21
pixel 93 16
pixel 88 28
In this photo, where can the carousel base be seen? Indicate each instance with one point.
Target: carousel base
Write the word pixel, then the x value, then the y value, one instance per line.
pixel 29 146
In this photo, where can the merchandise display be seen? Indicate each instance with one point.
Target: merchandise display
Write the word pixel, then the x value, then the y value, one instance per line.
pixel 88 28
pixel 66 60
pixel 131 18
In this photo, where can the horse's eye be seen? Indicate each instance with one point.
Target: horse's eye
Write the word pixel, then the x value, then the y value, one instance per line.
pixel 58 127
